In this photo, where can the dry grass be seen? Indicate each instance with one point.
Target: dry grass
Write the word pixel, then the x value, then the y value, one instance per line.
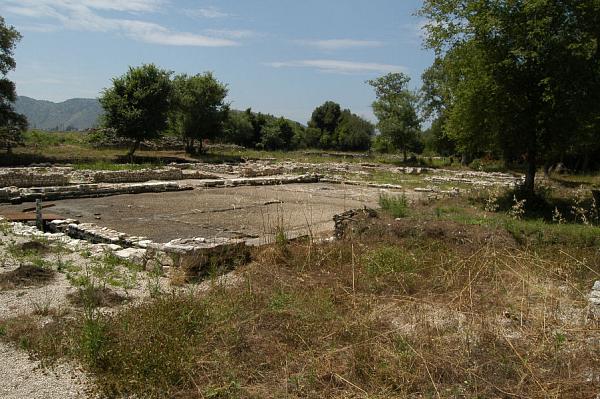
pixel 96 296
pixel 26 275
pixel 436 309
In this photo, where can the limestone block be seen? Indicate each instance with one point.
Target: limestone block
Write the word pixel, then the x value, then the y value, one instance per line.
pixel 134 255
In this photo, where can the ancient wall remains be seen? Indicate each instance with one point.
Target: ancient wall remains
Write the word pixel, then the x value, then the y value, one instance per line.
pixel 32 177
pixel 137 176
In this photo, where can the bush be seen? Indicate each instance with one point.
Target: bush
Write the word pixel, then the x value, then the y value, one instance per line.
pixel 397 206
pixel 388 260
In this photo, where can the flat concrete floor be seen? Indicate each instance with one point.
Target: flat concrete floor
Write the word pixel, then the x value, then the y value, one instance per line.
pixel 244 212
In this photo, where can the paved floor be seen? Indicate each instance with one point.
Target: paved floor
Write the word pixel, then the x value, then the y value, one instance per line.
pixel 244 212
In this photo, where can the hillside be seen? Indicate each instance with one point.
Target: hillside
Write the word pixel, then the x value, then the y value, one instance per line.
pixel 73 114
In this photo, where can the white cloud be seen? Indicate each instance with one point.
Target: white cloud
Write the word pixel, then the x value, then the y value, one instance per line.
pixel 231 34
pixel 44 28
pixel 81 16
pixel 339 44
pixel 209 12
pixel 121 5
pixel 337 66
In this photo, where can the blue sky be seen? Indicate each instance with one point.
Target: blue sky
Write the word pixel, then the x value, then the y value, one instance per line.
pixel 283 57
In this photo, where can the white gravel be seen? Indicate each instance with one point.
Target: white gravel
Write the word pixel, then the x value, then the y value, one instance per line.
pixel 24 378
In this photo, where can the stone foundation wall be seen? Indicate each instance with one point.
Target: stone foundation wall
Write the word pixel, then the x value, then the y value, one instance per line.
pixel 17 195
pixel 32 177
pixel 137 176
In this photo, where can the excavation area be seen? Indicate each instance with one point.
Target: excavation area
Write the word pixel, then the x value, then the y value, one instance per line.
pixel 231 212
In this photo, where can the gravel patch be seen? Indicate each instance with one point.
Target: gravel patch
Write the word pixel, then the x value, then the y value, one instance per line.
pixel 24 378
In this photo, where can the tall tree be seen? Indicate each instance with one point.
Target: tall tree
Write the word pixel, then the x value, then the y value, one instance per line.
pixel 277 134
pixel 353 133
pixel 396 110
pixel 12 124
pixel 137 104
pixel 522 76
pixel 326 117
pixel 199 108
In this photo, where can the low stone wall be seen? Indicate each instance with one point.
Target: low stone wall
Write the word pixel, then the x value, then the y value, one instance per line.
pixel 261 171
pixel 32 177
pixel 137 176
pixel 346 220
pixel 17 195
pixel 195 257
pixel 260 181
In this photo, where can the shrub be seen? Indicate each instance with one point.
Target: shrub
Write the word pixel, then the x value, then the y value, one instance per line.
pixel 397 206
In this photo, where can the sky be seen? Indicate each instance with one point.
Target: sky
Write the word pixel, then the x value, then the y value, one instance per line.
pixel 282 57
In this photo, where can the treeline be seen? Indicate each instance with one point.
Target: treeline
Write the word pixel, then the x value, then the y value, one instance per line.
pixel 515 80
pixel 330 128
pixel 147 102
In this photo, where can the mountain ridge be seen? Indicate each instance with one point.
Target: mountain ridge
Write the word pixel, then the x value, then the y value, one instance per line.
pixel 71 114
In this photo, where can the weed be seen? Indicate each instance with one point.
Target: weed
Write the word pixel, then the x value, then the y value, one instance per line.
pixel 397 206
pixel 388 260
pixel 517 210
pixel 42 308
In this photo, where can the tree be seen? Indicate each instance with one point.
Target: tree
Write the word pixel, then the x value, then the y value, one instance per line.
pixel 326 118
pixel 332 127
pixel 353 133
pixel 12 124
pixel 396 110
pixel 258 121
pixel 199 109
pixel 238 129
pixel 277 135
pixel 522 77
pixel 137 104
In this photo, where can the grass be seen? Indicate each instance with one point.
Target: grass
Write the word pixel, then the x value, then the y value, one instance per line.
pixel 395 205
pixel 447 301
pixel 387 314
pixel 106 165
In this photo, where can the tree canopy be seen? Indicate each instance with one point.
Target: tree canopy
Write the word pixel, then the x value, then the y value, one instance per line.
pixel 12 124
pixel 518 77
pixel 396 110
pixel 330 127
pixel 199 109
pixel 137 104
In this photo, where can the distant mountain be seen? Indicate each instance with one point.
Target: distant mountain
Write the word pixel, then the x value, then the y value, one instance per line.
pixel 73 114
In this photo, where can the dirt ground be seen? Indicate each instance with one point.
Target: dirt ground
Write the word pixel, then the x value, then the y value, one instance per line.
pixel 241 212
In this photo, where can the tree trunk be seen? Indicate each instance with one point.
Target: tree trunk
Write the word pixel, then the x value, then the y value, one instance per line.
pixel 464 161
pixel 189 146
pixel 529 185
pixel 404 154
pixel 547 169
pixel 136 145
pixel 586 162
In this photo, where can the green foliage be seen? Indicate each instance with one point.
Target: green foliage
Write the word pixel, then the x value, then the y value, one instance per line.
pixel 12 124
pixel 263 131
pixel 383 145
pixel 137 104
pixel 332 128
pixel 277 135
pixel 105 165
pixel 198 109
pixel 397 206
pixel 396 110
pixel 516 77
pixel 238 129
pixel 326 117
pixel 353 132
pixel 389 260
